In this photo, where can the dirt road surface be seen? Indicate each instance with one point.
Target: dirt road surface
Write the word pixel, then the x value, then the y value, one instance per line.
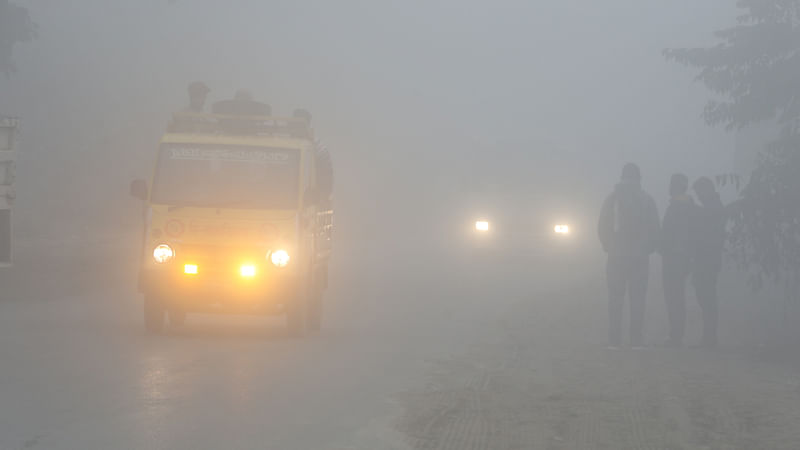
pixel 418 353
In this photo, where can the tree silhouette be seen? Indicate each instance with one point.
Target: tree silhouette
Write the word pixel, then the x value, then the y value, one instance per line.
pixel 755 73
pixel 15 26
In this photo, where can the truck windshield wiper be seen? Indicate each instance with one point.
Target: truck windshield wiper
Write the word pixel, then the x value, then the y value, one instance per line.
pixel 175 207
pixel 231 203
pixel 171 208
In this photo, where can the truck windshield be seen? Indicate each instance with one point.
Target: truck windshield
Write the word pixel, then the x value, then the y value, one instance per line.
pixel 227 176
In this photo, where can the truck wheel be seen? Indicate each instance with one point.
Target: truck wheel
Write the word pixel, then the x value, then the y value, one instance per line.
pixel 315 305
pixel 153 313
pixel 295 317
pixel 297 309
pixel 177 316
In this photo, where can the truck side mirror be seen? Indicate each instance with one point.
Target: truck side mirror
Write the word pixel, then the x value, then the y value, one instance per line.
pixel 310 196
pixel 139 189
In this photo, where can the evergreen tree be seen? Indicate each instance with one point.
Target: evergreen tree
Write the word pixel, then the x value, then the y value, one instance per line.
pixel 755 73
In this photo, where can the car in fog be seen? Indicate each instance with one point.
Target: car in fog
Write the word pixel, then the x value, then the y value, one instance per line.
pixel 238 220
pixel 519 206
pixel 514 223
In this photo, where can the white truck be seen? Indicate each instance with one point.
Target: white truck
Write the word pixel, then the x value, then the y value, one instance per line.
pixel 8 156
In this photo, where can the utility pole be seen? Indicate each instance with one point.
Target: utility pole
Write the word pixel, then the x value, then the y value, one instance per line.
pixel 8 157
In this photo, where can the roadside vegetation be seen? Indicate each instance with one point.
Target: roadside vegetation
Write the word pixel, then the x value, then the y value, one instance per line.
pixel 754 72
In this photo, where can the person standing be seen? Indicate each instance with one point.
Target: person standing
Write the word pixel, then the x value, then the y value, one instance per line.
pixel 708 242
pixel 198 91
pixel 628 229
pixel 677 256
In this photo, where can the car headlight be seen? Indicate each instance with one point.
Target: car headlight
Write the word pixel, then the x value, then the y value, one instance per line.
pixel 280 258
pixel 482 226
pixel 163 253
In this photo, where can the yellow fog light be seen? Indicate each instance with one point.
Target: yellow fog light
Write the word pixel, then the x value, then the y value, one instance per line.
pixel 561 229
pixel 280 258
pixel 163 253
pixel 482 226
pixel 247 271
pixel 190 269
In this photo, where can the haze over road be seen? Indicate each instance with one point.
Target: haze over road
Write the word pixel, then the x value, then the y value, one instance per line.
pixel 415 354
pixel 434 116
pixel 81 373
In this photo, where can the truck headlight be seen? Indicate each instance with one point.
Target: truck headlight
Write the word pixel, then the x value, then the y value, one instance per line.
pixel 561 229
pixel 247 271
pixel 280 258
pixel 163 253
pixel 482 226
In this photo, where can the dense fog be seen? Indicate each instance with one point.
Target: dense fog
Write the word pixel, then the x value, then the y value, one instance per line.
pixel 416 87
pixel 469 302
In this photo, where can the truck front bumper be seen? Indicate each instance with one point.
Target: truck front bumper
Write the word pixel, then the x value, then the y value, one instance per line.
pixel 255 289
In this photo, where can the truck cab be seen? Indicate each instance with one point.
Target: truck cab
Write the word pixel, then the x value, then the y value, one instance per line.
pixel 237 219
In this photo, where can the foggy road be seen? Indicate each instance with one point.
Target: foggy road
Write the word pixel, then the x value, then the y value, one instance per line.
pixel 81 372
pixel 414 355
pixel 451 167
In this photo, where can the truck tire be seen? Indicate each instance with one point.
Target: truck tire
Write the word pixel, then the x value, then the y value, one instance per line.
pixel 297 309
pixel 315 302
pixel 295 317
pixel 153 313
pixel 177 316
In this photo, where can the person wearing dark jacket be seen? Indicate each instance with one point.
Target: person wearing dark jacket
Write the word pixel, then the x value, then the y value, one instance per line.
pixel 677 256
pixel 708 242
pixel 198 91
pixel 629 231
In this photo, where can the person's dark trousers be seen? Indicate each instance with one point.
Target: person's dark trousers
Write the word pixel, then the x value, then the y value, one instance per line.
pixel 705 287
pixel 675 274
pixel 627 275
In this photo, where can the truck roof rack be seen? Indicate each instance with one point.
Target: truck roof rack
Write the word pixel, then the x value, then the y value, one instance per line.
pixel 201 123
pixel 8 121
